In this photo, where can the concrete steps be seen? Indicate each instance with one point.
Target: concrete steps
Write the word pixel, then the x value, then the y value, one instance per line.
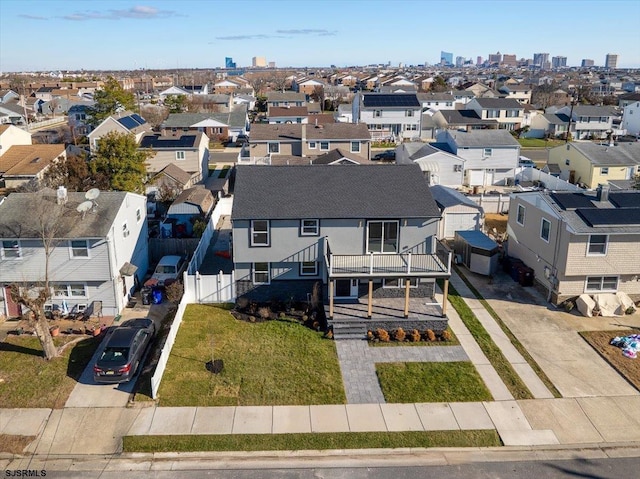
pixel 349 329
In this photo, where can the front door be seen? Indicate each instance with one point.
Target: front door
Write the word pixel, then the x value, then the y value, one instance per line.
pixel 346 288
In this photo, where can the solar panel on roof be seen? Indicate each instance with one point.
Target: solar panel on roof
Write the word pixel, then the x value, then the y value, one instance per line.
pixel 128 122
pixel 138 118
pixel 610 216
pixel 625 200
pixel 571 201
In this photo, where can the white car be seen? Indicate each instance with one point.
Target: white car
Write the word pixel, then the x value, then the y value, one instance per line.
pixel 169 269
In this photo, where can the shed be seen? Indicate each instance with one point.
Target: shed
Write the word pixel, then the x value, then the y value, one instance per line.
pixel 476 251
pixel 192 203
pixel 459 213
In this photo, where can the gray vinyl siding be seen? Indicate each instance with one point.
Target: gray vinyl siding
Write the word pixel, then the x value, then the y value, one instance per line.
pixel 623 256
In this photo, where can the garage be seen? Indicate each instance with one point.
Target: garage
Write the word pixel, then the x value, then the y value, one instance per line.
pixel 459 213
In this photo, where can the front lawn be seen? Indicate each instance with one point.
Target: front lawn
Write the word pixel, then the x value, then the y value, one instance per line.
pixel 431 382
pixel 28 380
pixel 317 441
pixel 628 368
pixel 539 143
pixel 277 362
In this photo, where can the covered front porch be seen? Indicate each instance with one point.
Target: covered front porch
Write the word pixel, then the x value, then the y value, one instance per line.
pixel 386 309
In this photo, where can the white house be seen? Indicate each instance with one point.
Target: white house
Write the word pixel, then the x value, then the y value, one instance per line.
pixel 630 119
pixel 490 155
pixel 12 135
pixel 123 122
pixel 389 115
pixel 439 167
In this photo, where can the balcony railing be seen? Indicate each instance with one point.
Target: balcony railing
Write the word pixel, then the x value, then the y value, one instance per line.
pixel 390 265
pixel 245 159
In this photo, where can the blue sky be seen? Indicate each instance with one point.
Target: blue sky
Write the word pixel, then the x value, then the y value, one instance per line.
pixel 53 35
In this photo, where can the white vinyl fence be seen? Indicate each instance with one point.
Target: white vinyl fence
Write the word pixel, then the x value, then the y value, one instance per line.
pixel 223 207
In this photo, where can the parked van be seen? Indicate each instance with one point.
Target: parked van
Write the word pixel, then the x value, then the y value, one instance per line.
pixel 169 269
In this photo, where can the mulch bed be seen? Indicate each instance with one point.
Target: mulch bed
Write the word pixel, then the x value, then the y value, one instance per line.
pixel 628 368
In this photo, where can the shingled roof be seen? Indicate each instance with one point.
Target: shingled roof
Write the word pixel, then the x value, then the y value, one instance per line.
pixel 332 191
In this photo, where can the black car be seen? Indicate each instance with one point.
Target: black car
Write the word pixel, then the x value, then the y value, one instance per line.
pixel 388 155
pixel 123 352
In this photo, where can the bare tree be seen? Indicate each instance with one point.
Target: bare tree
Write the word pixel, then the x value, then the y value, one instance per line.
pixel 278 81
pixel 258 82
pixel 48 221
pixel 154 114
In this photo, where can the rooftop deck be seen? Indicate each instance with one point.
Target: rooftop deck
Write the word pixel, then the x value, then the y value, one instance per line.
pixel 404 264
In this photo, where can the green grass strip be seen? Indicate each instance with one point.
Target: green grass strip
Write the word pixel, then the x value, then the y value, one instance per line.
pixel 514 340
pixel 504 369
pixel 311 441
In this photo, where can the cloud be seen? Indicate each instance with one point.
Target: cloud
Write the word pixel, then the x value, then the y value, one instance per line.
pixel 32 17
pixel 280 34
pixel 142 12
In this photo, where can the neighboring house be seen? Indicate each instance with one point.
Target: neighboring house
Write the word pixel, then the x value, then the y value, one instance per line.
pixel 214 125
pixel 344 113
pixel 267 141
pixel 459 213
pixel 124 122
pixel 193 203
pixel 196 89
pixel 631 118
pixel 172 179
pixel 288 114
pixel 245 100
pixel 362 232
pixel 307 87
pixel 12 113
pixel 190 152
pixel 213 103
pixel 490 155
pixel 520 93
pixel 591 164
pixel 509 113
pixel 389 116
pixel 173 91
pixel 227 87
pixel 100 255
pixel 439 101
pixel 12 135
pixel 548 125
pixel 22 164
pixel 628 98
pixel 434 121
pixel 8 96
pixel 79 117
pixel 285 98
pixel 438 166
pixel 340 157
pixel 588 121
pixel 578 243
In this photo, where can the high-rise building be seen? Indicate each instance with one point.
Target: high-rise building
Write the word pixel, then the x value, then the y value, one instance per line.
pixel 587 62
pixel 446 58
pixel 259 62
pixel 611 61
pixel 272 64
pixel 479 60
pixel 229 63
pixel 460 61
pixel 559 62
pixel 540 59
pixel 495 59
pixel 509 60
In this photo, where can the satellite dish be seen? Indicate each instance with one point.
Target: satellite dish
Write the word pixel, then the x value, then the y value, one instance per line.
pixel 92 194
pixel 84 207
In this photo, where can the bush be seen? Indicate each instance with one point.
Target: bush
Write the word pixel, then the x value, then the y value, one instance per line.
pixel 415 336
pixel 430 335
pixel 174 292
pixel 370 335
pixel 264 312
pixel 383 335
pixel 446 335
pixel 399 335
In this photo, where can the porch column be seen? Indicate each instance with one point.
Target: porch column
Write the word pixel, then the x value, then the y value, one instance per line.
pixel 370 299
pixel 445 293
pixel 330 299
pixel 407 283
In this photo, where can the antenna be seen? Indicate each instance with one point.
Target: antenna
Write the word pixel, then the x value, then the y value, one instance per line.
pixel 84 207
pixel 91 196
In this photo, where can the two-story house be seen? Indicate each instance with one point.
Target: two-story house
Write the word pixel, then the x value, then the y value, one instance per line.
pixel 214 125
pixel 123 122
pixel 591 164
pixel 303 140
pixel 96 254
pixel 631 118
pixel 285 98
pixel 519 92
pixel 190 152
pixel 364 232
pixel 392 116
pixel 508 112
pixel 490 155
pixel 578 243
pixel 588 121
pixel 287 114
pixel 22 164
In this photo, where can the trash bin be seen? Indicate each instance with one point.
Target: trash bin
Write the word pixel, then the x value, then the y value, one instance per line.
pixel 525 276
pixel 157 295
pixel 147 295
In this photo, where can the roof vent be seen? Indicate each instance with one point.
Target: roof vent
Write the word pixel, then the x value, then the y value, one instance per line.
pixel 602 192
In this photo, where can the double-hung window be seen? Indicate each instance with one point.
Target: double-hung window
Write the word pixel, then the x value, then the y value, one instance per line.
pixel 597 244
pixel 545 229
pixel 520 215
pixel 312 145
pixel 382 236
pixel 79 248
pixel 274 148
pixel 309 268
pixel 355 147
pixel 261 273
pixel 604 171
pixel 180 155
pixel 324 146
pixel 309 227
pixel 10 249
pixel 260 233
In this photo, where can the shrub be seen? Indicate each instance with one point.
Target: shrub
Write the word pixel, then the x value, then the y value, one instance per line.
pixel 415 336
pixel 446 335
pixel 399 335
pixel 383 335
pixel 174 292
pixel 264 312
pixel 281 315
pixel 430 335
pixel 370 335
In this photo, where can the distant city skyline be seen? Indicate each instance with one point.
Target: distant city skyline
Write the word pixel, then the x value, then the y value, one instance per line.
pixel 128 35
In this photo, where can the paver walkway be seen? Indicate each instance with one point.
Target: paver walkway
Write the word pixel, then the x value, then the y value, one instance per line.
pixel 357 364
